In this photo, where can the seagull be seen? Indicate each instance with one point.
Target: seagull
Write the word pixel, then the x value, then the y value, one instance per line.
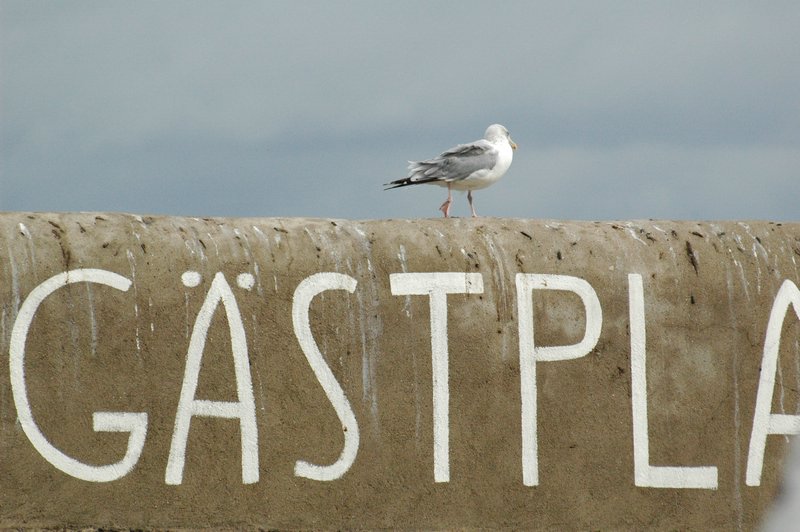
pixel 466 167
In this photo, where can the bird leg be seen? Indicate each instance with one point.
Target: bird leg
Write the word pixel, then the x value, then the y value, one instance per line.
pixel 469 197
pixel 445 208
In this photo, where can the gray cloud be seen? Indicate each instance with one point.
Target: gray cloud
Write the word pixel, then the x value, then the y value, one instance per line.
pixel 677 110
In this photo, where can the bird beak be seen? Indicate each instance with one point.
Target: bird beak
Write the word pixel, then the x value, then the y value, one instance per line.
pixel 513 144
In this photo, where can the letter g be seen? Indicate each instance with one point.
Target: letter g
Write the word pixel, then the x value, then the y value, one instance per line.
pixel 133 423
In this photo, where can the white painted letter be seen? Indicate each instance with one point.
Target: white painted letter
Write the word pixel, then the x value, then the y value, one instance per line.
pixel 529 353
pixel 133 423
pixel 437 286
pixel 305 292
pixel 244 409
pixel 765 423
pixel 646 475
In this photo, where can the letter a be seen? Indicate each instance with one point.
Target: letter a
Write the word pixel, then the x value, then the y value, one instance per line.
pixel 765 423
pixel 244 409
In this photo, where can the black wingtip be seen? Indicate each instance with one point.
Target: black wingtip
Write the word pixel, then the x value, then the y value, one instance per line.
pixel 396 184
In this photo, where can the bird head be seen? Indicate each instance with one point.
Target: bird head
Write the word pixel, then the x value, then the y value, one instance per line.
pixel 496 132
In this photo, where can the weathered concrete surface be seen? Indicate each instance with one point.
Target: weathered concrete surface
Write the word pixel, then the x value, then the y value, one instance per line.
pixel 708 293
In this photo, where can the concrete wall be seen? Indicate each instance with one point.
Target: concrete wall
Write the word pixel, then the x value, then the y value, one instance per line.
pixel 183 372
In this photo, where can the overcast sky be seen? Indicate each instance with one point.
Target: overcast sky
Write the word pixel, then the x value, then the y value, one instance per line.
pixel 680 110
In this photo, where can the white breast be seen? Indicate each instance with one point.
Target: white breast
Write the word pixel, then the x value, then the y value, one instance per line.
pixel 504 156
pixel 484 178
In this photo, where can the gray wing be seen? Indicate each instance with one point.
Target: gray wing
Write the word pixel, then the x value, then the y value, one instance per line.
pixel 453 165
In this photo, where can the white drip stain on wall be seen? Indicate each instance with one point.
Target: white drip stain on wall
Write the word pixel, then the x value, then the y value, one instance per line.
pixel 782 393
pixel 10 311
pixel 324 246
pixel 758 270
pixel 132 263
pixel 737 416
pixel 186 314
pixel 15 298
pixel 4 390
pixel 24 230
pixel 743 277
pixel 797 372
pixel 735 365
pixel 264 239
pixel 503 298
pixel 31 247
pixel 632 231
pixel 370 326
pixel 213 242
pixel 150 312
pixel 248 251
pixel 731 291
pixel 92 319
pixel 401 256
pixel 193 245
pixel 3 345
pixel 666 234
pixel 757 250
